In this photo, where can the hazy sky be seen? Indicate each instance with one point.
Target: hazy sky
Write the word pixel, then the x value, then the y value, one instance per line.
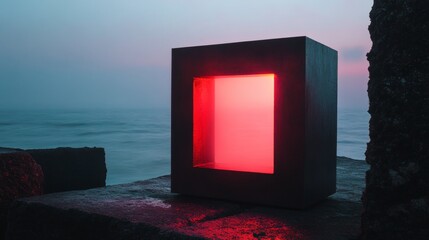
pixel 111 53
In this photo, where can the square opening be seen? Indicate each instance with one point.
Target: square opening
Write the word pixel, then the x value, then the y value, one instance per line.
pixel 233 126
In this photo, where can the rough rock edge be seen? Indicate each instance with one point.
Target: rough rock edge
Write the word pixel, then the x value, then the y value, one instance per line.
pixel 396 198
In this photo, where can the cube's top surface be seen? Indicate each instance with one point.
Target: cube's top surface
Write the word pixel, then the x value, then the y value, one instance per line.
pixel 277 56
pixel 253 42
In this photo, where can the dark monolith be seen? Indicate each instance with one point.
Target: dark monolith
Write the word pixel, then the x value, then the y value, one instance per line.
pixel 396 198
pixel 67 169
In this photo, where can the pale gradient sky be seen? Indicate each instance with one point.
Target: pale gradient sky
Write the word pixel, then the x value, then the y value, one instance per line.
pixel 117 54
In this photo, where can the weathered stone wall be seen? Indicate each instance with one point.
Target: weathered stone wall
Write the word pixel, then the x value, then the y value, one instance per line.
pixel 396 198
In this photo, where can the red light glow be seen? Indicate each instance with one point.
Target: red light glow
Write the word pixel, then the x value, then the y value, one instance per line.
pixel 234 123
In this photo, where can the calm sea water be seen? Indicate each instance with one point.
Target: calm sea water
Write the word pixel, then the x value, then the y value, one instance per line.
pixel 352 133
pixel 137 142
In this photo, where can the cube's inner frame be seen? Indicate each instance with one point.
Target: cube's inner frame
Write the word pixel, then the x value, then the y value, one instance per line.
pixel 233 126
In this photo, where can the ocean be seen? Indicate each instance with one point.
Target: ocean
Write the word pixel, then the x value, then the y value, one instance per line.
pixel 137 142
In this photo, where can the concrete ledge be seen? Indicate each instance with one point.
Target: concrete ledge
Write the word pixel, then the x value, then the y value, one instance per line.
pixel 147 210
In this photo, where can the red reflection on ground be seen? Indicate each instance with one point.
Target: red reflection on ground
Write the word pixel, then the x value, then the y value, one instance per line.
pixel 234 123
pixel 245 226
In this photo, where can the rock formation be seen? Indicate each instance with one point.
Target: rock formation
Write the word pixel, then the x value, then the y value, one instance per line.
pixel 396 198
pixel 20 176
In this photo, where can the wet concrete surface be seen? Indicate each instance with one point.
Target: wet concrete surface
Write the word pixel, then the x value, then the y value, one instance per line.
pixel 147 210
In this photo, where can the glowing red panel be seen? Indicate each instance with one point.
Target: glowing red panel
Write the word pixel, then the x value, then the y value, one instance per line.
pixel 234 123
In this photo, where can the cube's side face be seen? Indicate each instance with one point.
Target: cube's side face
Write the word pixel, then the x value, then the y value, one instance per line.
pixel 238 121
pixel 321 121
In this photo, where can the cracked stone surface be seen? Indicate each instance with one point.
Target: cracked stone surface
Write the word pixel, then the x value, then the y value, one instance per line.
pixel 147 210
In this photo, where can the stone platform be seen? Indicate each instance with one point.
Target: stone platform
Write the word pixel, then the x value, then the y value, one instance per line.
pixel 147 210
